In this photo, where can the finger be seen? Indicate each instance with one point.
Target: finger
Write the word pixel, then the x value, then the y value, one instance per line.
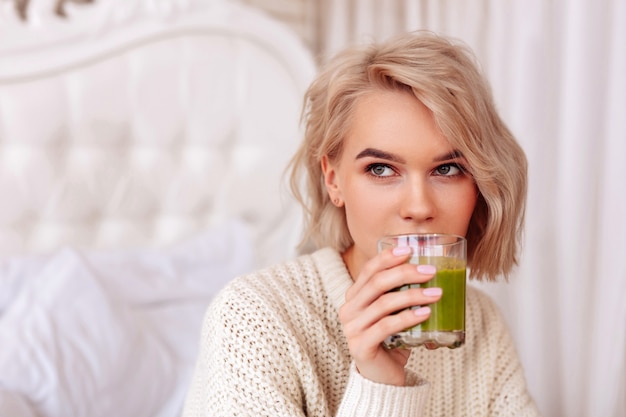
pixel 370 339
pixel 360 297
pixel 382 261
pixel 397 323
pixel 390 304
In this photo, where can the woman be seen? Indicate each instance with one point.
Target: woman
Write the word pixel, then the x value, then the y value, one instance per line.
pixel 401 137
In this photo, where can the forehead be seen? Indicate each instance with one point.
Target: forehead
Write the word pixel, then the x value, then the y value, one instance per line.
pixel 394 119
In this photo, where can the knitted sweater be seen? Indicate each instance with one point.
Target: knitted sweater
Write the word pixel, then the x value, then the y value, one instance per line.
pixel 272 345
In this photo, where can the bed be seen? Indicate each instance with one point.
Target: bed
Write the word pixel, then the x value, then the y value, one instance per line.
pixel 142 149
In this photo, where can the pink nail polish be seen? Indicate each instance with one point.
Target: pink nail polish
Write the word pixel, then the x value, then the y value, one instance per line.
pixel 426 269
pixel 422 311
pixel 401 250
pixel 432 291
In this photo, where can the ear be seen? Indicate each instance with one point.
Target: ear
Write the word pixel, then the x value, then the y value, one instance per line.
pixel 330 181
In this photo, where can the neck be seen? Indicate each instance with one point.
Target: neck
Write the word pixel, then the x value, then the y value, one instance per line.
pixel 349 258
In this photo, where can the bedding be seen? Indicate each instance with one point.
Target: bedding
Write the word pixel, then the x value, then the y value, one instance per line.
pixel 101 333
pixel 142 147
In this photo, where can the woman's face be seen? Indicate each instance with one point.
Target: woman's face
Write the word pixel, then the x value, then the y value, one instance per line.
pixel 397 174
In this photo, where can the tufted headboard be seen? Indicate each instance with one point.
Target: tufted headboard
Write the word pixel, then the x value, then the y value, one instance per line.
pixel 142 151
pixel 133 123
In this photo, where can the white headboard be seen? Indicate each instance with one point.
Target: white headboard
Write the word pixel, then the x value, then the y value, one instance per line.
pixel 143 122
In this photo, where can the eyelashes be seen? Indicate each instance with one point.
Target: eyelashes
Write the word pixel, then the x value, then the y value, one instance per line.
pixel 382 170
pixel 450 170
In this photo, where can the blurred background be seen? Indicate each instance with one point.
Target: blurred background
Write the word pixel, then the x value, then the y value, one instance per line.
pixel 558 73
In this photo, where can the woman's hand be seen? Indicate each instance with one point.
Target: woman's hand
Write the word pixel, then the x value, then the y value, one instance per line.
pixel 368 314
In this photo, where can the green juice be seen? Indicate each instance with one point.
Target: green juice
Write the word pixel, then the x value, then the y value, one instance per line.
pixel 447 314
pixel 446 324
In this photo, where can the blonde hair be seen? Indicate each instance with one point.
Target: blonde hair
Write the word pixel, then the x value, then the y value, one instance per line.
pixel 444 76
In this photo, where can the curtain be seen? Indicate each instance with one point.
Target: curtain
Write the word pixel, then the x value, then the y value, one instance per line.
pixel 558 73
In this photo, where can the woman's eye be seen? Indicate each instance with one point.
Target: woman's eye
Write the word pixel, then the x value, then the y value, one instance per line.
pixel 380 170
pixel 448 170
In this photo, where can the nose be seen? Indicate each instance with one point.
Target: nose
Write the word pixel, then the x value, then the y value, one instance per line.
pixel 418 203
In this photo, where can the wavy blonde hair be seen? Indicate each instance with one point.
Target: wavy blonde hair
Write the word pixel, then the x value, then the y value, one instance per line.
pixel 444 75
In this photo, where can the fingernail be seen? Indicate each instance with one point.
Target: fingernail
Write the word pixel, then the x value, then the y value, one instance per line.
pixel 426 269
pixel 422 311
pixel 401 250
pixel 432 291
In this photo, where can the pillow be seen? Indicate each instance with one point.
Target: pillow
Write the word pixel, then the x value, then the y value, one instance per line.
pixel 14 273
pixel 14 405
pixel 114 333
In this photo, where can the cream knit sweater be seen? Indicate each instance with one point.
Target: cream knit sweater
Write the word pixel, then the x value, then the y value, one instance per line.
pixel 272 345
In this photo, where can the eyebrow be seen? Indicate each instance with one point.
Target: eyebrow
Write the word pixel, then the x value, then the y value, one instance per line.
pixel 377 153
pixel 455 154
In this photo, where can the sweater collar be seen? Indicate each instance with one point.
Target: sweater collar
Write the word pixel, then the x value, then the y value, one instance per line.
pixel 335 276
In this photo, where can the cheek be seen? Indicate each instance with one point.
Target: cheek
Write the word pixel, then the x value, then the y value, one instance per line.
pixel 366 212
pixel 361 206
pixel 456 207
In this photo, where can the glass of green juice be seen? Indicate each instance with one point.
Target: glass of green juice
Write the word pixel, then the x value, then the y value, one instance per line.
pixel 446 324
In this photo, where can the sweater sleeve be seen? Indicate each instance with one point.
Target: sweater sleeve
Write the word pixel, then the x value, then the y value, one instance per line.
pixel 365 398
